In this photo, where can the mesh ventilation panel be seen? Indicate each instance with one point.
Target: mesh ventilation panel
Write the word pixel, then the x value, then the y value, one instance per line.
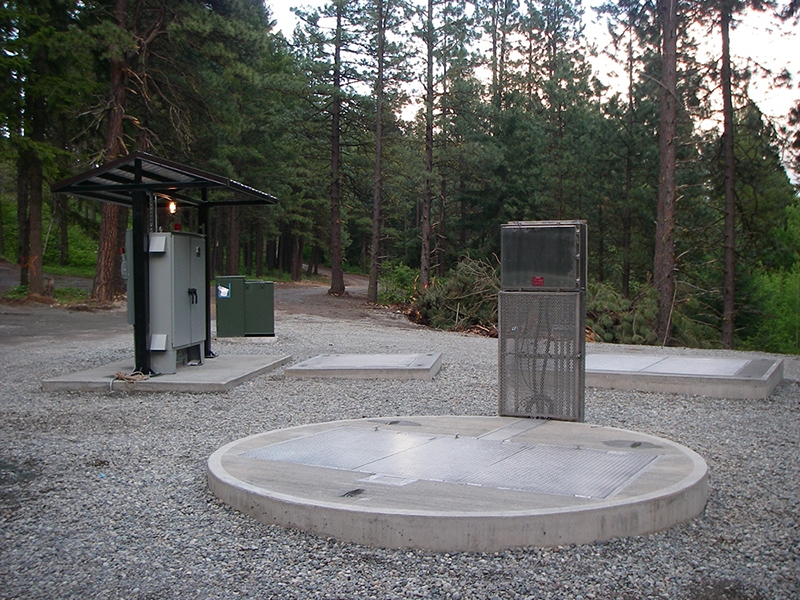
pixel 541 355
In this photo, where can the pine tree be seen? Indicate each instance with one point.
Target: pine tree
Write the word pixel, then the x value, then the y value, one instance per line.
pixel 42 62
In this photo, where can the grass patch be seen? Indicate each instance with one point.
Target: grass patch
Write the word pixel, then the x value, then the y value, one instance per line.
pixel 70 271
pixel 70 295
pixel 65 296
pixel 16 293
pixel 280 277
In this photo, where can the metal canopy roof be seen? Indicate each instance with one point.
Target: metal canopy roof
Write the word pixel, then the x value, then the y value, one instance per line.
pixel 116 182
pixel 130 181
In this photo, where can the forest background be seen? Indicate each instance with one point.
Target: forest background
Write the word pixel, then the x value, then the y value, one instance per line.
pixel 694 224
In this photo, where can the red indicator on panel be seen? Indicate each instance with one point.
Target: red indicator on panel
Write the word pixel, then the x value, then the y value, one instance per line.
pixel 538 282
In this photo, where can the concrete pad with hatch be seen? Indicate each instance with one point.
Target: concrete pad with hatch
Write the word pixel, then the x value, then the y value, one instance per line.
pixel 369 366
pixel 717 377
pixel 448 483
pixel 214 375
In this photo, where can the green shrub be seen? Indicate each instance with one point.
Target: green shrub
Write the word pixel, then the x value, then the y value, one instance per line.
pixel 615 319
pixel 779 303
pixel 397 283
pixel 618 320
pixel 694 323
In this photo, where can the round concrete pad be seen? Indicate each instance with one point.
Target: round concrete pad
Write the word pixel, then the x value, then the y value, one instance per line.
pixel 461 483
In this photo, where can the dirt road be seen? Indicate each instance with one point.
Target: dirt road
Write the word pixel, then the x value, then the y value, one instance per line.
pixel 31 323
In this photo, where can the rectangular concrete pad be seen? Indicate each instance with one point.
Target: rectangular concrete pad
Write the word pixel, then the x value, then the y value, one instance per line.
pixel 369 366
pixel 214 375
pixel 716 377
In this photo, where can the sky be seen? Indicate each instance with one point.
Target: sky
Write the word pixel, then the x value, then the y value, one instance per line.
pixel 756 37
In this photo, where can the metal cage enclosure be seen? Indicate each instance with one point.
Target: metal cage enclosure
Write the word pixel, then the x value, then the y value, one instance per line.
pixel 541 355
pixel 542 316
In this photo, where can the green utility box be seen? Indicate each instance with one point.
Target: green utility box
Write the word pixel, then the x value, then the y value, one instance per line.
pixel 259 308
pixel 244 308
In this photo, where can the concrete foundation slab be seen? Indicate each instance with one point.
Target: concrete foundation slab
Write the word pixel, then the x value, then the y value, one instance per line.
pixel 369 366
pixel 461 483
pixel 703 376
pixel 214 375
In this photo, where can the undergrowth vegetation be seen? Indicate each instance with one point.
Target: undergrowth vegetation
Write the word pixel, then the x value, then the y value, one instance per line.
pixel 466 300
pixel 61 295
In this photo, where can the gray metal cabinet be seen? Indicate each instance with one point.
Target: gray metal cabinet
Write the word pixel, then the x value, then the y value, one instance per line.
pixel 177 264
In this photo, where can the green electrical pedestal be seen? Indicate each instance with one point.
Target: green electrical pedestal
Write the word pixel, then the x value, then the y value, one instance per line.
pixel 259 308
pixel 244 308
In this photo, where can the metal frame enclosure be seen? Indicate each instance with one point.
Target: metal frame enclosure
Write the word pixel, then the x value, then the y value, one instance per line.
pixel 542 317
pixel 132 181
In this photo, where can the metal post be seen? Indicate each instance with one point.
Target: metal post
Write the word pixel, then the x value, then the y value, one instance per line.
pixel 141 280
pixel 203 222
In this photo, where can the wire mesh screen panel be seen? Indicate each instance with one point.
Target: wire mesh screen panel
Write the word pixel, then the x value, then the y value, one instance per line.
pixel 541 354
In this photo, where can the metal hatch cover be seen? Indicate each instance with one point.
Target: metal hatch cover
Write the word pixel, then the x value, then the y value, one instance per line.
pixel 540 468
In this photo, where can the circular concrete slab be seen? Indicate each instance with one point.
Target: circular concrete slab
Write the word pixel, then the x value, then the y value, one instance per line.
pixel 461 483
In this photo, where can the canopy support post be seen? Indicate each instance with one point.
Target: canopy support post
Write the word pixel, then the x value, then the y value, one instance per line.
pixel 141 277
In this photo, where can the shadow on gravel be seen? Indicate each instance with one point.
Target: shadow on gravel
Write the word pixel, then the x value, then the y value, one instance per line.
pixel 723 589
pixel 14 479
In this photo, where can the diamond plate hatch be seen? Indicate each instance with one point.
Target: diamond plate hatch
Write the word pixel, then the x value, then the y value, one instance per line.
pixel 407 456
pixel 341 448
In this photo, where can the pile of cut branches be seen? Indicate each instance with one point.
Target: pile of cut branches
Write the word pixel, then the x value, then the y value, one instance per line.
pixel 464 300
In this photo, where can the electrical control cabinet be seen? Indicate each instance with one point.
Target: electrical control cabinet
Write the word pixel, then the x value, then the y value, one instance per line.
pixel 177 265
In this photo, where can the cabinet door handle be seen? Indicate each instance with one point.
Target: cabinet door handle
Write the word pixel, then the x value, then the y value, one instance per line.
pixel 193 296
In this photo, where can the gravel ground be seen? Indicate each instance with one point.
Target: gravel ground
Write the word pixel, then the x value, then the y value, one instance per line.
pixel 104 495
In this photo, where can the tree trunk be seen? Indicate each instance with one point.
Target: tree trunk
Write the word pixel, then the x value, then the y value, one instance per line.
pixel 337 264
pixel 272 254
pixel 425 224
pixel 664 261
pixel 247 247
pixel 2 226
pixel 61 207
pixel 36 262
pixel 114 218
pixel 729 260
pixel 259 248
pixel 285 253
pixel 35 116
pixel 218 249
pixel 232 239
pixel 23 240
pixel 441 244
pixel 629 156
pixel 313 263
pixel 377 187
pixel 297 257
pixel 494 26
pixel 363 261
pixel 626 228
pixel 108 275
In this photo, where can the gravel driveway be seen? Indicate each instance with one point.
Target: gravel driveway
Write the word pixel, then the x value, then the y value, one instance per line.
pixel 104 495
